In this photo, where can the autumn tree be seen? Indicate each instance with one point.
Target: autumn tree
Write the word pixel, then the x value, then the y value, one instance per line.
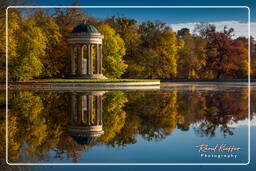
pixel 113 115
pixel 225 56
pixel 32 45
pixel 53 63
pixel 192 55
pixel 253 57
pixel 66 20
pixel 159 48
pixel 113 52
pixel 182 32
pixel 128 31
pixel 14 24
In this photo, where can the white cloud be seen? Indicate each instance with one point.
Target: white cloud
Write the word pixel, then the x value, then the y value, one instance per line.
pixel 240 29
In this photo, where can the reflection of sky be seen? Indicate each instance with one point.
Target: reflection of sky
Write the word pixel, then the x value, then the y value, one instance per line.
pixel 243 123
pixel 179 147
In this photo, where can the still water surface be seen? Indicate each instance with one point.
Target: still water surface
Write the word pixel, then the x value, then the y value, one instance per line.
pixel 144 126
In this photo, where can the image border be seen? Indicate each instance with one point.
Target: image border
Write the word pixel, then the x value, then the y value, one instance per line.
pixel 249 99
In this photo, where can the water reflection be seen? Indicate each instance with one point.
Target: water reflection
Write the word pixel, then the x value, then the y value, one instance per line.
pixel 63 126
pixel 85 116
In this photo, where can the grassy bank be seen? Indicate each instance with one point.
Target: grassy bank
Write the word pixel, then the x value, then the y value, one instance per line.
pixel 59 80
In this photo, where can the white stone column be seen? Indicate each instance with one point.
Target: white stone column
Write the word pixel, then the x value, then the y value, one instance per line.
pixel 90 108
pixel 98 59
pixel 97 110
pixel 101 110
pixel 88 59
pixel 91 59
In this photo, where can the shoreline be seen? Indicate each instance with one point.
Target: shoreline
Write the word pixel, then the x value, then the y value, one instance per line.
pixel 138 84
pixel 82 85
pixel 208 80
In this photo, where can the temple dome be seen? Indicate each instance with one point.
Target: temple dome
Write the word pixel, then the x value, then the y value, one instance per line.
pixel 84 28
pixel 84 140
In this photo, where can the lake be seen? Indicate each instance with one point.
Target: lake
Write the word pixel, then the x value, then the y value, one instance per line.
pixel 178 123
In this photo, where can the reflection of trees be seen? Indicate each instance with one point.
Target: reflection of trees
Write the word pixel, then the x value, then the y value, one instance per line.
pixel 150 115
pixel 31 131
pixel 113 115
pixel 191 105
pixel 222 109
pixel 38 121
pixel 253 101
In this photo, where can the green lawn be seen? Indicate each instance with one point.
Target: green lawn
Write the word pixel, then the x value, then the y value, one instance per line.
pixel 59 80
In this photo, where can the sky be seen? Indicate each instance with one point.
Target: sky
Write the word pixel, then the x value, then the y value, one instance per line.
pixel 250 3
pixel 177 18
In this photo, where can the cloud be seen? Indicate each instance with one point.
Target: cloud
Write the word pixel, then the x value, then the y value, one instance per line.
pixel 240 29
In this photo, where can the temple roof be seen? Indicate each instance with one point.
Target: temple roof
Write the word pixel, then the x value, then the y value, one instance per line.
pixel 84 28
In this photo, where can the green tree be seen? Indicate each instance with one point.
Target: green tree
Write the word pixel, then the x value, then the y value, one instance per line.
pixel 14 22
pixel 113 52
pixel 30 123
pixel 159 49
pixel 32 46
pixel 113 115
pixel 53 62
pixel 128 30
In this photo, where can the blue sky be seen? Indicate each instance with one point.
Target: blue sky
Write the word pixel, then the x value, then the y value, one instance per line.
pixel 175 17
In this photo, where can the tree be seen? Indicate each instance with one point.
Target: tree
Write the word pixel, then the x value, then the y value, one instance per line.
pixel 253 57
pixel 53 62
pixel 32 46
pixel 113 115
pixel 113 52
pixel 14 22
pixel 226 58
pixel 128 31
pixel 69 18
pixel 192 57
pixel 66 21
pixel 158 54
pixel 182 32
pixel 241 55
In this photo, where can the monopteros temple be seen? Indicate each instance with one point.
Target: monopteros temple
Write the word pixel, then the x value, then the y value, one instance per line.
pixel 85 52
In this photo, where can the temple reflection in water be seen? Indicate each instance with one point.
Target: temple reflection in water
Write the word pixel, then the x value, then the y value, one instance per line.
pixel 85 116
